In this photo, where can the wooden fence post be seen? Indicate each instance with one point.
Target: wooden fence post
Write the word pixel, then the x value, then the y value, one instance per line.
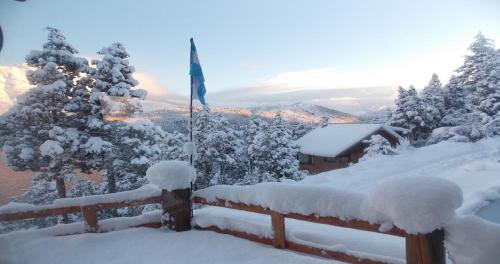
pixel 426 248
pixel 90 215
pixel 177 208
pixel 278 223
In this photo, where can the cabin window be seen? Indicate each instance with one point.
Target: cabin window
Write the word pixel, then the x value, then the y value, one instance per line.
pixel 305 159
pixel 329 159
pixel 344 159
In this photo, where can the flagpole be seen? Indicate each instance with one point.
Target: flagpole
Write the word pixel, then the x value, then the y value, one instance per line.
pixel 191 121
pixel 191 108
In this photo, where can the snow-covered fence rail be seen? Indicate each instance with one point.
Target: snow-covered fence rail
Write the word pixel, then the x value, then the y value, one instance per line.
pixel 88 206
pixel 322 205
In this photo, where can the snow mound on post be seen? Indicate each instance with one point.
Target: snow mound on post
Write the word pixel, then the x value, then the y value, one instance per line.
pixel 417 204
pixel 471 239
pixel 189 148
pixel 171 175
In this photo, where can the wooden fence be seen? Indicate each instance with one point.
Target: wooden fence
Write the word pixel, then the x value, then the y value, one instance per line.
pixel 176 203
pixel 421 249
pixel 89 211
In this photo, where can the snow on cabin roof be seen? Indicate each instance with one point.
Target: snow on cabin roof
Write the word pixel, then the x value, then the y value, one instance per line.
pixel 333 139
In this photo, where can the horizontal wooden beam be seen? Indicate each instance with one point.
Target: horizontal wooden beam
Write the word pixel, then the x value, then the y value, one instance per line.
pixel 352 223
pixel 328 220
pixel 44 211
pixel 294 246
pixel 233 205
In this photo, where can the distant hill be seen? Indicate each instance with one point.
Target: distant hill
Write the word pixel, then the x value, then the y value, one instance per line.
pixel 173 115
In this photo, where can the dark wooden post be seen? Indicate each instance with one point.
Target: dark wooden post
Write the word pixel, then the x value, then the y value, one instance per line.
pixel 177 209
pixel 90 215
pixel 425 248
pixel 278 223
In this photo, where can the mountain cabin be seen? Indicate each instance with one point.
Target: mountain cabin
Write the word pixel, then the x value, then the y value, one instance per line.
pixel 335 146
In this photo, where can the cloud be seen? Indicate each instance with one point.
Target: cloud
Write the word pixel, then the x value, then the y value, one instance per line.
pixel 250 66
pixel 13 82
pixel 355 93
pixel 356 90
pixel 156 91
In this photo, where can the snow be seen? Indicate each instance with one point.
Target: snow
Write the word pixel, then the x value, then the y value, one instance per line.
pixel 51 148
pixel 333 139
pixel 416 204
pixel 189 148
pixel 27 154
pixel 96 145
pixel 143 245
pixel 171 175
pixel 285 198
pixel 143 192
pixel 388 248
pixel 106 225
pixel 13 207
pixel 470 239
pixel 473 167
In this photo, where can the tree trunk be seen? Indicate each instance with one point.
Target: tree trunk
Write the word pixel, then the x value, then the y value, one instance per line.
pixel 61 192
pixel 111 183
pixel 112 189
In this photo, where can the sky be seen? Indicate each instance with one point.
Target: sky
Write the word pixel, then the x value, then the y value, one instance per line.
pixel 251 49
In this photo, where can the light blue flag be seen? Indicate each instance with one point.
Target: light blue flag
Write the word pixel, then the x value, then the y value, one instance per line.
pixel 197 80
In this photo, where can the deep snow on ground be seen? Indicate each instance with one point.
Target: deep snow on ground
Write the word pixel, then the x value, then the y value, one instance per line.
pixel 474 167
pixel 143 245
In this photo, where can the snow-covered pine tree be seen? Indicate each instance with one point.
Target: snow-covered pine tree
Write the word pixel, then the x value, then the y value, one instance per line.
pixel 173 147
pixel 44 133
pixel 432 104
pixel 471 94
pixel 398 117
pixel 377 145
pixel 136 146
pixel 216 145
pixel 298 130
pixel 275 153
pixel 489 92
pixel 255 126
pixel 126 149
pixel 477 65
pixel 113 75
pixel 455 96
pixel 408 114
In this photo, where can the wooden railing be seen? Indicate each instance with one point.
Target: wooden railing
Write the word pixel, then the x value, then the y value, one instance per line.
pixel 422 248
pixel 89 211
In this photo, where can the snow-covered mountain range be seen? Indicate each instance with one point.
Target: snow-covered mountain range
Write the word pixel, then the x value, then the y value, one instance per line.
pixel 176 112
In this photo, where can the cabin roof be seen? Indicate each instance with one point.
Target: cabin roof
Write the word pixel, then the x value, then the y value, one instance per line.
pixel 333 139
